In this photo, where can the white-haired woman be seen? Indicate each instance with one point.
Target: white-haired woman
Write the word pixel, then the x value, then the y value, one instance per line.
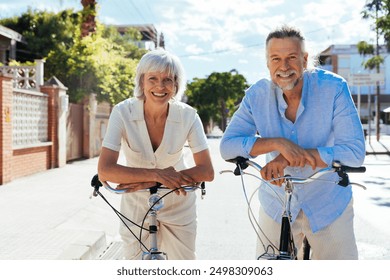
pixel 152 129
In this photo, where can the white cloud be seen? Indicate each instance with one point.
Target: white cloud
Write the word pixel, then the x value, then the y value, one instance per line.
pixel 215 34
pixel 201 58
pixel 220 23
pixel 193 49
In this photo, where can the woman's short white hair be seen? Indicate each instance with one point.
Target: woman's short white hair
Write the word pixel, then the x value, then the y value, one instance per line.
pixel 160 60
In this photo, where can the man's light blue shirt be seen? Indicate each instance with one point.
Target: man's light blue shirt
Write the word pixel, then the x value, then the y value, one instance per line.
pixel 326 119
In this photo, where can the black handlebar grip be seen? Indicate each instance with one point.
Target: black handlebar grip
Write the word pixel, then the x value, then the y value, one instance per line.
pixel 237 160
pixel 154 189
pixel 241 164
pixel 95 182
pixel 348 169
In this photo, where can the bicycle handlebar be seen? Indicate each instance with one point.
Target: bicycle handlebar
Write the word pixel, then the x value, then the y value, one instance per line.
pixel 96 184
pixel 342 170
pixel 349 169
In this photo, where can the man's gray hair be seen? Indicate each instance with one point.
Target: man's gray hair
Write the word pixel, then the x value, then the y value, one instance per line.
pixel 287 31
pixel 160 60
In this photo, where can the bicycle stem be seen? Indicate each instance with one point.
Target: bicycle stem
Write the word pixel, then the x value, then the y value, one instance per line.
pixel 284 248
pixel 153 231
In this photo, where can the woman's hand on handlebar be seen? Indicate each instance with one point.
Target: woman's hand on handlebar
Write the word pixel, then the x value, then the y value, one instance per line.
pixel 173 179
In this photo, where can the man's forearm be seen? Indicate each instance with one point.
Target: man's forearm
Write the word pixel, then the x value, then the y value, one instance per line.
pixel 319 162
pixel 264 146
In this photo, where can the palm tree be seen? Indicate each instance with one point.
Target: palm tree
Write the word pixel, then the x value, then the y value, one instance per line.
pixel 88 25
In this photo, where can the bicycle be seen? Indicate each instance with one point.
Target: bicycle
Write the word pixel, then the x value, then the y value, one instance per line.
pixel 287 249
pixel 155 203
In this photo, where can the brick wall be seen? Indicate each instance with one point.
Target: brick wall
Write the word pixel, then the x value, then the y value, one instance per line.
pixel 16 162
pixel 52 123
pixel 38 159
pixel 5 128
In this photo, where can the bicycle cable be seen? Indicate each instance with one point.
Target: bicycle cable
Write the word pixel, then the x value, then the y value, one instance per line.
pixel 122 218
pixel 147 212
pixel 252 219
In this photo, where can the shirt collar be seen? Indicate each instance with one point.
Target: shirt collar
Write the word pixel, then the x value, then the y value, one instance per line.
pixel 282 105
pixel 174 114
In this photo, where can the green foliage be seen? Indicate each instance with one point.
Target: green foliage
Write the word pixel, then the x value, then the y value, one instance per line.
pixel 126 41
pixel 95 65
pixel 17 63
pixel 43 31
pixel 374 62
pixel 217 96
pixel 103 63
pixel 199 100
pixel 365 48
pixel 379 11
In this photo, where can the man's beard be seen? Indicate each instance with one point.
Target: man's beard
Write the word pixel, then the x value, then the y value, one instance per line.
pixel 290 85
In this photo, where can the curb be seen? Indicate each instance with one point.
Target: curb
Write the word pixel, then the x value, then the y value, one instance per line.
pixel 88 246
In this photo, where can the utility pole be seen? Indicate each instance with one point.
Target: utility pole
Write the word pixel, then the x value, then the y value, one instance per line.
pixel 378 112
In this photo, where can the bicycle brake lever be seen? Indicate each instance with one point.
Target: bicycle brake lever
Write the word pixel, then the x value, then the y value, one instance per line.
pixel 202 190
pixel 96 184
pixel 344 179
pixel 225 171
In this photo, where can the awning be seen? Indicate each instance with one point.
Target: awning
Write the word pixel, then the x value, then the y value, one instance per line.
pixel 10 34
pixel 387 110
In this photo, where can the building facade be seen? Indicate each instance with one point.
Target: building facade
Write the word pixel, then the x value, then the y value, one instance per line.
pixel 150 40
pixel 346 61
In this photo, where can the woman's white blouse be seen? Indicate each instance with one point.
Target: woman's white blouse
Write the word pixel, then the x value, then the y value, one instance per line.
pixel 127 130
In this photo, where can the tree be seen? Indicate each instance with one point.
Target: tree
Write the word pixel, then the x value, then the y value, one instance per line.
pixel 200 101
pixel 102 62
pixel 43 31
pixel 216 97
pixel 88 24
pixel 126 41
pixel 379 11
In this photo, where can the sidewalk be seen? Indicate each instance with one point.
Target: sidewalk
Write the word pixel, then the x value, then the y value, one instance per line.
pixel 378 147
pixel 50 215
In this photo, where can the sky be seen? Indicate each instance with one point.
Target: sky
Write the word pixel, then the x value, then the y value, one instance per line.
pixel 221 35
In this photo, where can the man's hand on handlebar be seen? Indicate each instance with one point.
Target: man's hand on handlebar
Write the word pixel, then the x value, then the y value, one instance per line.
pixel 274 169
pixel 295 155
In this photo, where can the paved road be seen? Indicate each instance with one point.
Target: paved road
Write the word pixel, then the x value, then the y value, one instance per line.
pixel 225 231
pixel 50 216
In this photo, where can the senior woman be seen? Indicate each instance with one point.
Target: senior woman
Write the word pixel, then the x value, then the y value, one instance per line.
pixel 152 129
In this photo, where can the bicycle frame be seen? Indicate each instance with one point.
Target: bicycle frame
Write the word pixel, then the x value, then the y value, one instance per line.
pixel 155 203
